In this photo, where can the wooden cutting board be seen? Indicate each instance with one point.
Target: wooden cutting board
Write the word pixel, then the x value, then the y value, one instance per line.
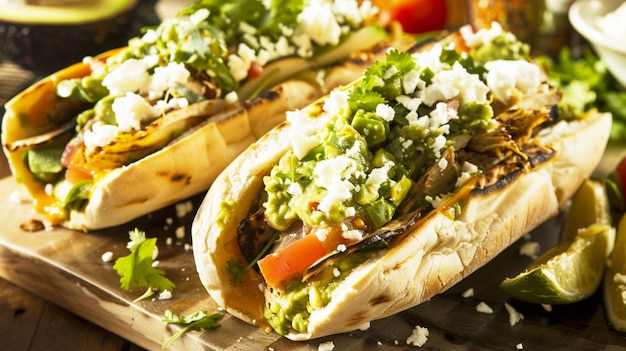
pixel 66 267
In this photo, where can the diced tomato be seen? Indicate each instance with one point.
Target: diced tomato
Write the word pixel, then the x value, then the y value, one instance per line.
pixel 75 174
pixel 255 70
pixel 415 16
pixel 291 261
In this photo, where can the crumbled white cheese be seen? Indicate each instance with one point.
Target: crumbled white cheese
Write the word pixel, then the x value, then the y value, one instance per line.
pixel 99 135
pixel 514 316
pixel 410 81
pixel 17 197
pixel 530 249
pixel 365 326
pixel 547 307
pixel 411 103
pixel 468 170
pixel 180 232
pixel 453 83
pixel 519 346
pixel 505 76
pixel 131 110
pixel 231 97
pixel 333 175
pixel 129 77
pixel 183 208
pixel 468 293
pixel 319 22
pixel 482 307
pixel 165 295
pixel 353 234
pixel 484 36
pixel 336 272
pixel 385 112
pixel 301 143
pixel 326 346
pixel 418 337
pixel 107 256
pixel 168 77
pixel 336 101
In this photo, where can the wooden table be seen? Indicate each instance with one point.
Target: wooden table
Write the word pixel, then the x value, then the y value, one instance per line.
pixel 29 322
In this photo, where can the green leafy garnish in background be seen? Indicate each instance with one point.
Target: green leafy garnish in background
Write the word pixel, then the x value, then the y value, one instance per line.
pixel 136 269
pixel 587 83
pixel 194 321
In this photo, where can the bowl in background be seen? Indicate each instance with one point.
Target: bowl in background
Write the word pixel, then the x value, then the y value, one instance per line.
pixel 585 17
pixel 47 35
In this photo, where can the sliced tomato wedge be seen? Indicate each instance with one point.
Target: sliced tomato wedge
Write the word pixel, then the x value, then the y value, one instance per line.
pixel 75 174
pixel 292 261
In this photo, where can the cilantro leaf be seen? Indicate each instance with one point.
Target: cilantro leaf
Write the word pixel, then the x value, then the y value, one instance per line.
pixel 136 269
pixel 193 321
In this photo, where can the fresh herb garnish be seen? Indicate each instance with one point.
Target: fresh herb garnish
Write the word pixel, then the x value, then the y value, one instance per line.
pixel 587 83
pixel 194 321
pixel 136 269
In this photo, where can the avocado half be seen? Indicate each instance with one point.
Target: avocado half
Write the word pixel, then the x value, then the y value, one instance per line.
pixel 47 35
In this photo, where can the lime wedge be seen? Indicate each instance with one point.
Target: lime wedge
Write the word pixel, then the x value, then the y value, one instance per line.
pixel 615 281
pixel 569 272
pixel 590 205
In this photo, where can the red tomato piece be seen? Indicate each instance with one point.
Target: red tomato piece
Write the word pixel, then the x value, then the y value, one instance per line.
pixel 75 174
pixel 291 261
pixel 416 16
pixel 255 70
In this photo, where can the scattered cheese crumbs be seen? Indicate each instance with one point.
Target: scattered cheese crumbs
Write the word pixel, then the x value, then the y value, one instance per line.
pixel 468 293
pixel 155 263
pixel 180 232
pixel 165 295
pixel 169 240
pixel 519 346
pixel 547 307
pixel 48 189
pixel 365 326
pixel 418 337
pixel 482 307
pixel 17 197
pixel 514 316
pixel 183 208
pixel 187 247
pixel 231 97
pixel 530 249
pixel 326 346
pixel 107 256
pixel 336 272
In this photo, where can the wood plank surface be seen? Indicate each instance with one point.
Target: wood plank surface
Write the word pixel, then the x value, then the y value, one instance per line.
pixel 66 268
